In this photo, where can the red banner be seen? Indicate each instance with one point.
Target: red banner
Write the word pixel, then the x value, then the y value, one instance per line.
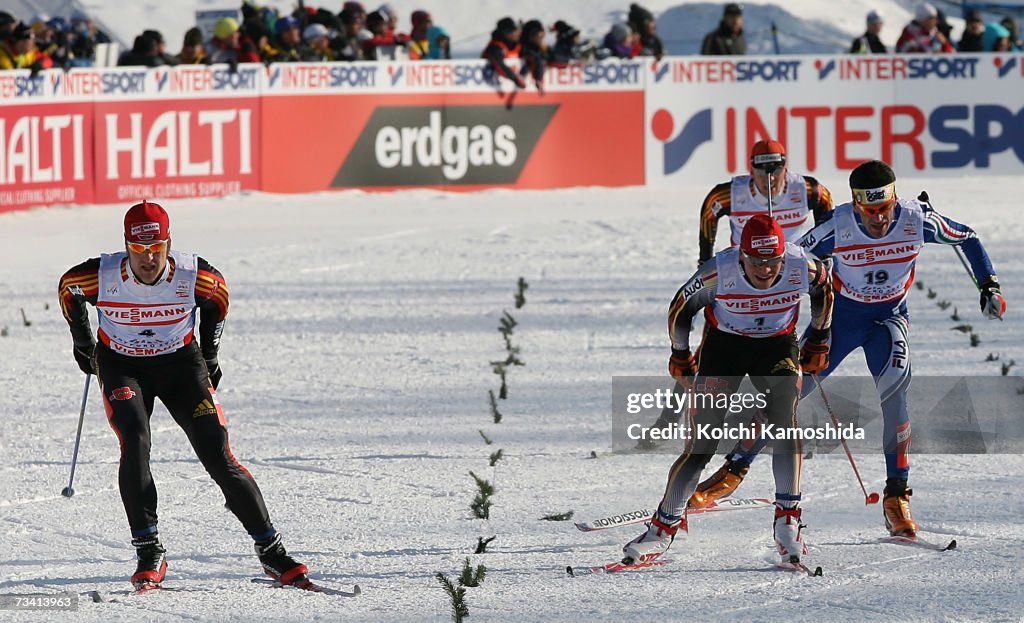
pixel 462 141
pixel 45 154
pixel 176 148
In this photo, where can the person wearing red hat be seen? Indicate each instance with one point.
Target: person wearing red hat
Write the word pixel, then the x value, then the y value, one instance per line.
pixel 751 300
pixel 147 299
pixel 795 199
pixel 874 241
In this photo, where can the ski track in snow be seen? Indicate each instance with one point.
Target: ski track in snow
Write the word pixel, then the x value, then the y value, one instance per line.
pixel 356 359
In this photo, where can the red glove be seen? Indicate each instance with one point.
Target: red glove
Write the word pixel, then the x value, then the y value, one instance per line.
pixel 813 357
pixel 682 365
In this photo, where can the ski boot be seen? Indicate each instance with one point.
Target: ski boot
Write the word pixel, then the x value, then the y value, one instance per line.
pixel 788 539
pixel 152 564
pixel 896 508
pixel 720 484
pixel 278 565
pixel 654 542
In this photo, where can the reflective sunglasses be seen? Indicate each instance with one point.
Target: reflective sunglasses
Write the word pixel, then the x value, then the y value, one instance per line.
pixel 763 261
pixel 153 247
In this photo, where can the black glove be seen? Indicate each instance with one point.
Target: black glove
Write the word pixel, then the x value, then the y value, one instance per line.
pixel 213 370
pixel 84 358
pixel 993 305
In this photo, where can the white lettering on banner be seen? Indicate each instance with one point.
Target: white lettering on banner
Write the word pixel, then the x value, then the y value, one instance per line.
pixel 38 196
pixel 169 140
pixel 456 147
pixel 21 149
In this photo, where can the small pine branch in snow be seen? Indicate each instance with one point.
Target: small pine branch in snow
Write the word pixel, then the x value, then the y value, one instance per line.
pixel 499 369
pixel 472 577
pixel 457 595
pixel 482 543
pixel 963 328
pixel 956 315
pixel 487 440
pixel 992 357
pixel 943 304
pixel 975 339
pixel 566 516
pixel 932 293
pixel 481 505
pixel 521 286
pixel 496 456
pixel 494 407
pixel 1007 366
pixel 919 284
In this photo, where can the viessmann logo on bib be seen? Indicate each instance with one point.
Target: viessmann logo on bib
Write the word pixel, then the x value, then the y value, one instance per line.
pixel 424 145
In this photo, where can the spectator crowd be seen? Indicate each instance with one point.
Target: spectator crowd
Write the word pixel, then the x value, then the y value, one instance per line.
pixel 317 34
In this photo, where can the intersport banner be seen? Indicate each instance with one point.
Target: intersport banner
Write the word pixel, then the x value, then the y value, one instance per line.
pixel 924 114
pixel 163 133
pixel 46 136
pixel 450 125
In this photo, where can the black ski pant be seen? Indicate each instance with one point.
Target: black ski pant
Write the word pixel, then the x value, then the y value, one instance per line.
pixel 180 380
pixel 773 368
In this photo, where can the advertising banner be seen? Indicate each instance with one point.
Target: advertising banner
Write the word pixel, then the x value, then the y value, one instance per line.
pixel 923 114
pixel 176 132
pixel 45 142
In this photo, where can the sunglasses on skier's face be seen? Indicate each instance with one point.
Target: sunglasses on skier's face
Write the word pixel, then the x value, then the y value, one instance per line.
pixel 763 261
pixel 763 164
pixel 153 247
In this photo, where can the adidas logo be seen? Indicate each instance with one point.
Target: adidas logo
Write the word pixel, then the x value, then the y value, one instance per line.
pixel 204 408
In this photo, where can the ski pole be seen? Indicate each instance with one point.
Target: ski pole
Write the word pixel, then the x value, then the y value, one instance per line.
pixel 69 490
pixel 869 498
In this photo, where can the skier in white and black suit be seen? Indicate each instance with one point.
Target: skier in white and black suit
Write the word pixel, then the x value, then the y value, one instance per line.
pixel 148 298
pixel 751 300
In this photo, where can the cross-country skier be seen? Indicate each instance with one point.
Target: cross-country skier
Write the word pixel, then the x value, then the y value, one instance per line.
pixel 751 297
pixel 874 241
pixel 147 298
pixel 796 199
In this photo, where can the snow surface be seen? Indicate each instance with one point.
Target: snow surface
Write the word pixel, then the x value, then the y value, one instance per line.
pixel 356 361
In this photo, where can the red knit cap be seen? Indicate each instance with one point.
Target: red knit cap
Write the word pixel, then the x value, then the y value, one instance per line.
pixel 146 222
pixel 763 237
pixel 767 152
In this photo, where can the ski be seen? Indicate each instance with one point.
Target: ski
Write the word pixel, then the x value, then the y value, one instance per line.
pixel 146 587
pixel 916 541
pixel 612 567
pixel 309 585
pixel 799 567
pixel 644 514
